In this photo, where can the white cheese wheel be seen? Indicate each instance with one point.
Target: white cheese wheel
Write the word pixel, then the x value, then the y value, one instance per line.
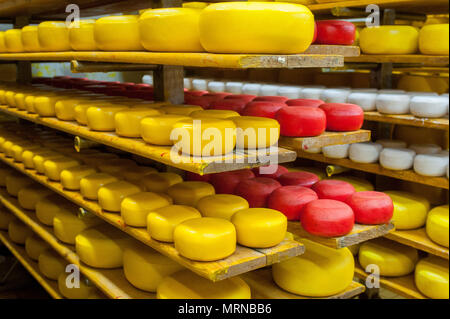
pixel 426 148
pixel 216 86
pixel 251 88
pixel 415 93
pixel 429 106
pixel 147 79
pixel 365 100
pixel 336 151
pixel 335 95
pixel 367 152
pixel 187 83
pixel 234 87
pixel 200 84
pixel 269 90
pixel 392 103
pixel 314 150
pixel 313 93
pixel 392 143
pixel 397 158
pixel 291 92
pixel 431 164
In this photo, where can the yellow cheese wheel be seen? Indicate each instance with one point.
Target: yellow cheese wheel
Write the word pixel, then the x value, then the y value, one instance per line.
pixel 6 147
pixel 159 182
pixel 54 167
pixel 3 48
pixel 29 196
pixel 16 181
pixel 431 277
pixel 189 193
pixel 259 227
pixel 102 246
pixel 204 137
pixel 410 210
pixel 433 39
pixel 185 110
pixel 127 122
pixel 170 30
pixel 256 132
pixel 135 173
pixel 359 184
pixel 115 166
pixel 221 205
pixel 111 195
pixel 29 104
pixel 85 290
pixel 9 96
pixel 81 35
pixel 53 36
pixel 156 129
pixel 20 100
pixel 320 272
pixel 13 41
pixel 48 207
pixel 65 108
pixel 67 224
pixel 135 208
pixel 81 109
pixel 71 177
pixel 90 185
pixel 27 156
pixel 34 246
pixel 162 221
pixel 40 159
pixel 101 118
pixel 392 258
pixel 30 39
pixel 187 285
pixel 194 4
pixel 145 268
pixel 18 149
pixel 254 27
pixel 118 33
pixel 6 217
pixel 205 239
pixel 389 39
pixel 4 172
pixel 216 114
pixel 437 225
pixel 51 264
pixel 18 232
pixel 45 105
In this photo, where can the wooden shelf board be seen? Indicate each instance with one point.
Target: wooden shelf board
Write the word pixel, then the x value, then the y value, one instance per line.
pixel 326 139
pixel 344 50
pixel 162 154
pixel 407 175
pixel 359 234
pixel 31 266
pixel 263 287
pixel 407 119
pixel 418 239
pixel 243 260
pixel 403 286
pixel 401 58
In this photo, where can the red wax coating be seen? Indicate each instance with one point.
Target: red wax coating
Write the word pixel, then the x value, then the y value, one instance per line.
pixel 335 32
pixel 290 200
pixel 301 121
pixel 262 109
pixel 343 117
pixel 244 97
pixel 236 105
pixel 195 93
pixel 278 171
pixel 257 190
pixel 226 182
pixel 277 99
pixel 304 102
pixel 334 189
pixel 305 179
pixel 371 207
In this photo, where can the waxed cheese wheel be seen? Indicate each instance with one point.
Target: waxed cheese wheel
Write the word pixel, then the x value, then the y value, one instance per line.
pixel 426 148
pixel 18 232
pixel 268 90
pixel 49 206
pixel 366 152
pixel 67 224
pixel 29 196
pixel 90 184
pixel 259 227
pixel 222 28
pixel 226 182
pixel 189 193
pixel 290 92
pixel 300 178
pixel 335 32
pixel 301 121
pixel 40 158
pixel 221 205
pixel 205 239
pixel 2 45
pixel 110 196
pixel 180 109
pixel 270 171
pixel 433 39
pixel 262 109
pixel 5 218
pixel 233 87
pixel 393 259
pixel 256 190
pixel 437 225
pixel 366 100
pixel 389 39
pixel 236 105
pixel 335 95
pixel 392 143
pixel 320 272
pixel 343 117
pixel 304 102
pixel 431 164
pixel 333 189
pixel 187 285
pixel 34 246
pixel 371 207
pixel 431 277
pixel 118 33
pixel 290 200
pixel 429 106
pixel 54 167
pixel 127 122
pixel 157 129
pixel 135 208
pixel 101 118
pixel 327 218
pixel 53 36
pixel 336 151
pixel 30 39
pixel 13 41
pixel 51 265
pixel 71 177
pixel 393 103
pixel 269 96
pixel 159 182
pixel 81 35
pixel 145 268
pixel 15 181
pixel 397 158
pixel 312 92
pixel 410 210
pixel 254 132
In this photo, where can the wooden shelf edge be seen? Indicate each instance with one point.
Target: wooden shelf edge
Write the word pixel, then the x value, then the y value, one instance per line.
pixel 407 119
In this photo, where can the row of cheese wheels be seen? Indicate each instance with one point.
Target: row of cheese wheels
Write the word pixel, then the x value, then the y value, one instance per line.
pixel 392 259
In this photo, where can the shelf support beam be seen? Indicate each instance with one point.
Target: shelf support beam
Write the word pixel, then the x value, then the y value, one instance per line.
pixel 24 75
pixel 168 84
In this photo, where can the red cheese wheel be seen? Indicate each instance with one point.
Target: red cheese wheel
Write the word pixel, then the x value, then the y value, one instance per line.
pixel 244 97
pixel 343 117
pixel 305 179
pixel 371 208
pixel 262 109
pixel 276 169
pixel 237 105
pixel 334 189
pixel 195 93
pixel 290 200
pixel 196 177
pixel 277 99
pixel 327 218
pixel 304 102
pixel 315 32
pixel 198 100
pixel 217 95
pixel 335 32
pixel 256 190
pixel 301 121
pixel 226 182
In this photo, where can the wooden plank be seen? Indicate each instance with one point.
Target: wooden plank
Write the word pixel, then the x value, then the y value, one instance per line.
pixel 407 119
pixel 168 84
pixel 406 175
pixel 344 50
pixel 30 265
pixel 263 287
pixel 418 239
pixel 403 286
pixel 405 58
pixel 205 165
pixel 243 260
pixel 326 139
pixel 359 234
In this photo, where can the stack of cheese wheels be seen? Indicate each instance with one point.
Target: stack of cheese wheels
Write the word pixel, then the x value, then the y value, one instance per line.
pixel 18 232
pixel 388 39
pixel 118 33
pixel 51 265
pixel 431 164
pixel 410 210
pixel 437 225
pixel 81 35
pixel 429 106
pixel 320 272
pixel 433 39
pixel 222 28
pixel 187 285
pixel 431 277
pixel 34 246
pixel 397 158
pixel 366 152
pixel 53 36
pixel 392 259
